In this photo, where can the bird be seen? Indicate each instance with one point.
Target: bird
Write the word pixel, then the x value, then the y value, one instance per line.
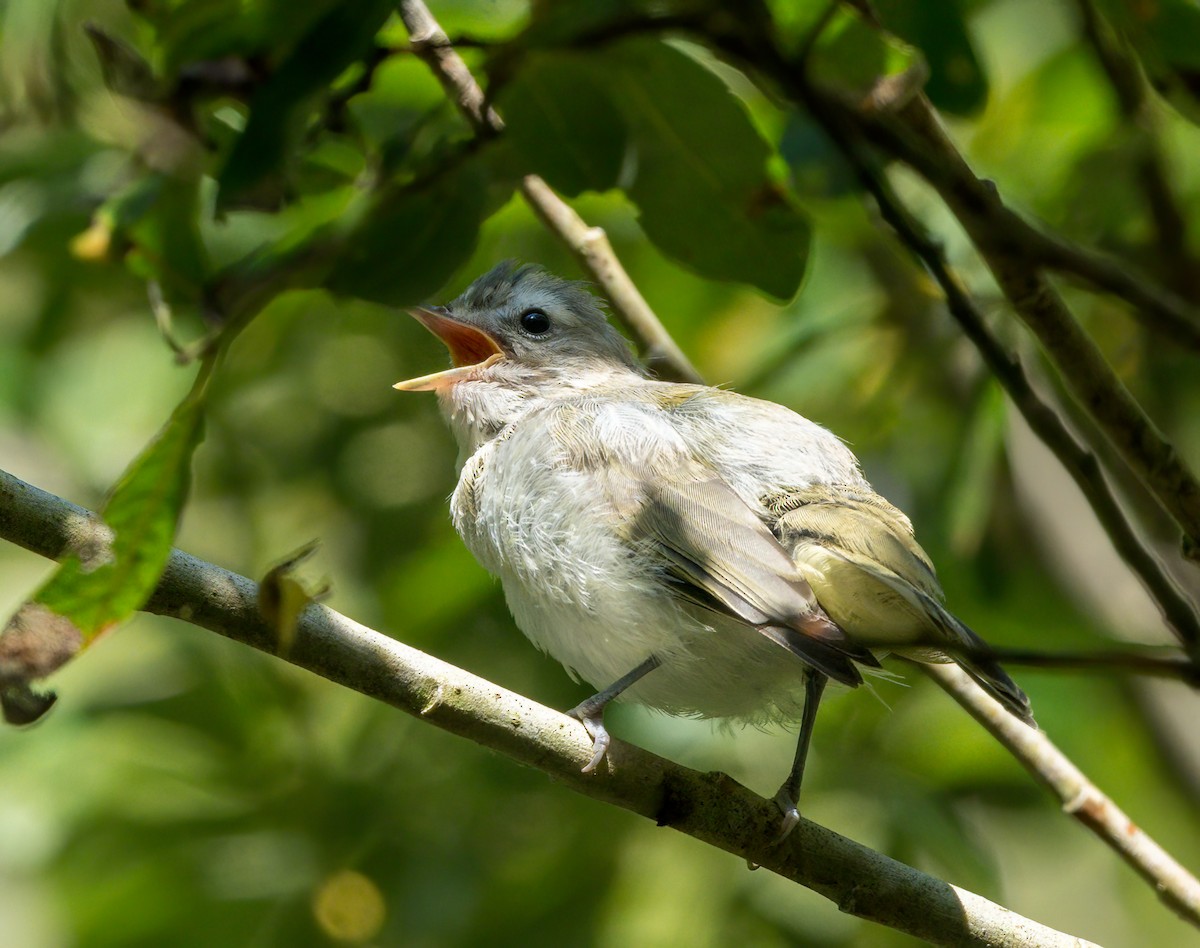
pixel 684 547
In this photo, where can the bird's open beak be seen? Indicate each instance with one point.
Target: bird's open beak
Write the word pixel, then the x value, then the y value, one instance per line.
pixel 470 348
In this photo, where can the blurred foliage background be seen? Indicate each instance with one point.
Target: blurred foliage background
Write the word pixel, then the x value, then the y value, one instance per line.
pixel 189 791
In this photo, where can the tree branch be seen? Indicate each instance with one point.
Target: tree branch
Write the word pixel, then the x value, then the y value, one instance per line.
pixel 708 806
pixel 915 137
pixel 429 41
pixel 1145 663
pixel 1079 360
pixel 589 244
pixel 1080 797
pixel 1078 460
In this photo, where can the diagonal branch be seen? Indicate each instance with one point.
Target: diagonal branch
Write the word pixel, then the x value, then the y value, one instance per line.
pixel 429 41
pixel 1080 797
pixel 916 137
pixel 710 807
pixel 1079 461
pixel 589 244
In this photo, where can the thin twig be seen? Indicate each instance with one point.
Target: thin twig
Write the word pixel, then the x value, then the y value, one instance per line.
pixel 1157 309
pixel 710 807
pixel 916 138
pixel 429 41
pixel 595 254
pixel 1080 797
pixel 1150 664
pixel 589 244
pixel 185 353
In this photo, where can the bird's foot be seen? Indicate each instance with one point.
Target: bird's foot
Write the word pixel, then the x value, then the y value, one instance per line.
pixel 591 711
pixel 593 722
pixel 791 814
pixel 791 819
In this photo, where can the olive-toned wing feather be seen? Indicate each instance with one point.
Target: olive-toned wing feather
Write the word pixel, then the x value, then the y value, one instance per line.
pixel 724 558
pixel 881 585
pixel 859 523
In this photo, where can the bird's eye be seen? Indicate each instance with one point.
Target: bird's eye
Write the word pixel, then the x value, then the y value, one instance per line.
pixel 535 322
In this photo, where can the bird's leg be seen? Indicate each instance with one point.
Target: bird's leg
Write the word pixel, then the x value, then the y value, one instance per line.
pixel 789 794
pixel 591 711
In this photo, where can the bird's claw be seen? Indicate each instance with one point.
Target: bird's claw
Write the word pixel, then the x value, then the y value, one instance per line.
pixel 791 815
pixel 594 724
pixel 791 819
pixel 591 712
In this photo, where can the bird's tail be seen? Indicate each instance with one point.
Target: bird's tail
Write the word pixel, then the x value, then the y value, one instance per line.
pixel 989 675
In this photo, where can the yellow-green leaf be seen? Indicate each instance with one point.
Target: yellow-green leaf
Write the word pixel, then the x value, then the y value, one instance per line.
pixel 143 513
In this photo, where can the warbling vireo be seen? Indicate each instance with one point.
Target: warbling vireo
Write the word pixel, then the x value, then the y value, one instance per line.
pixel 693 550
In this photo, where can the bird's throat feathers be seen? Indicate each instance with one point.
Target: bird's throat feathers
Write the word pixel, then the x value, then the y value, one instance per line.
pixel 479 408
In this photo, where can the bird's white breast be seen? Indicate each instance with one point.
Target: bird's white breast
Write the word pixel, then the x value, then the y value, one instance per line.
pixel 538 512
pixel 547 531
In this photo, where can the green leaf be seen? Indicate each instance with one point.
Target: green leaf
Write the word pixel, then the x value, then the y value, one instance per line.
pixel 956 83
pixel 404 243
pixel 402 95
pixel 701 181
pixel 143 513
pixel 200 29
pixel 563 125
pixel 1166 35
pixel 158 215
pixel 794 23
pixel 564 22
pixel 190 31
pixel 337 39
pixel 856 56
pixel 1174 25
pixel 818 166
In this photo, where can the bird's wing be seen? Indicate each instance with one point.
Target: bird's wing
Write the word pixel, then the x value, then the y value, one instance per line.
pixel 856 522
pixel 865 565
pixel 720 555
pixel 864 532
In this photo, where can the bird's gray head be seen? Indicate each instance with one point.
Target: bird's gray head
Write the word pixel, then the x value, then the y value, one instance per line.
pixel 539 323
